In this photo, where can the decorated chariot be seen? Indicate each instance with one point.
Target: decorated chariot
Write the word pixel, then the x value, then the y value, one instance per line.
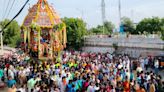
pixel 43 32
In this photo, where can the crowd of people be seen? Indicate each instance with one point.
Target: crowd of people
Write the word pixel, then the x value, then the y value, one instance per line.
pixel 79 72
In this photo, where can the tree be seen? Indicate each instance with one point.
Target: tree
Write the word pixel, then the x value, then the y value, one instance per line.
pixel 76 29
pixel 11 35
pixel 162 28
pixel 128 25
pixel 149 25
pixel 95 30
pixel 106 28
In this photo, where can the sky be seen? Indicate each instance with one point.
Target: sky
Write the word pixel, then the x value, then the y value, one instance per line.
pixel 90 10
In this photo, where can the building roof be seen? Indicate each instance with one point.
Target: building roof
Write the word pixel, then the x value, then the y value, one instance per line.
pixel 43 14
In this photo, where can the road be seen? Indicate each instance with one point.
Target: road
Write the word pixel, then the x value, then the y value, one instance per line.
pixel 6 50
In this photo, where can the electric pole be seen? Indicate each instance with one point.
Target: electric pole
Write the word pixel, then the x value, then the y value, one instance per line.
pixel 119 7
pixel 1 41
pixel 103 13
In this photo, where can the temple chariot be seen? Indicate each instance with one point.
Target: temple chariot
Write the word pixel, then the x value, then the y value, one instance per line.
pixel 43 32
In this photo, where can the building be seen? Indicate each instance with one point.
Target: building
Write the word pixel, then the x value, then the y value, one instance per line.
pixel 135 45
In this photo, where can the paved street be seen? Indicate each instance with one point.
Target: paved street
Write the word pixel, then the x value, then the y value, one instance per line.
pixel 6 50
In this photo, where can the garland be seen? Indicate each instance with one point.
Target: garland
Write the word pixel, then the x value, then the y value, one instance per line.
pixel 23 27
pixel 24 33
pixel 34 26
pixel 59 27
pixel 59 36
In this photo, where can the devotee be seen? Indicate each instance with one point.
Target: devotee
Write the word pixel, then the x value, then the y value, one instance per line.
pixel 12 89
pixel 78 72
pixel 1 74
pixel 156 66
pixel 10 82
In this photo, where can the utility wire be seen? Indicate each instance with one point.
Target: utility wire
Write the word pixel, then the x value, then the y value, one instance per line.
pixel 10 8
pixel 15 16
pixel 3 2
pixel 4 12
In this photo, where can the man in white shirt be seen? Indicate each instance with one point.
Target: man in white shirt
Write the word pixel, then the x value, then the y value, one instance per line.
pixel 27 71
pixel 142 63
pixel 156 65
pixel 139 69
pixel 120 66
pixel 91 87
pixel 11 73
pixel 146 63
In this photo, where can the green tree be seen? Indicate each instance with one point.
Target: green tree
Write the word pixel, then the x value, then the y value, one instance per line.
pixel 128 25
pixel 76 29
pixel 95 31
pixel 106 28
pixel 11 34
pixel 149 25
pixel 162 28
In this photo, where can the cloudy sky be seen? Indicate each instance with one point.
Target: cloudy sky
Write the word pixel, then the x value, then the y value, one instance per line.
pixel 90 10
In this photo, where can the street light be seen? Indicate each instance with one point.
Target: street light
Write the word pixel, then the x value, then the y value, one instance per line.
pixel 119 9
pixel 1 40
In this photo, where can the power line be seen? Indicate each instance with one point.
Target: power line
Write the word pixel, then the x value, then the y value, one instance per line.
pixel 2 9
pixel 15 16
pixel 2 12
pixel 10 8
pixel 6 9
